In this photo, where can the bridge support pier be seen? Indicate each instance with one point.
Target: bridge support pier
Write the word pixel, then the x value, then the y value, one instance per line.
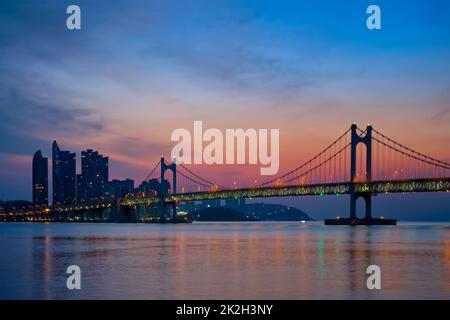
pixel 367 199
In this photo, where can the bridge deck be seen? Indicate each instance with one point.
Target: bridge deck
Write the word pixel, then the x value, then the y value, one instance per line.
pixel 385 186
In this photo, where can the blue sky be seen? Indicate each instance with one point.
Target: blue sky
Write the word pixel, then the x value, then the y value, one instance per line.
pixel 139 69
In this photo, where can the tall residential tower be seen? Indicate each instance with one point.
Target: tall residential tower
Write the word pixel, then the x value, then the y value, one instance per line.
pixel 64 177
pixel 93 185
pixel 40 180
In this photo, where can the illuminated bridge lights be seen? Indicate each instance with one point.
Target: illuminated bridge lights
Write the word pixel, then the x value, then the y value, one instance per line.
pixel 247 193
pixel 387 186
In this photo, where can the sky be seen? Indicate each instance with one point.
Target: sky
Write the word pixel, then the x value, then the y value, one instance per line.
pixel 138 70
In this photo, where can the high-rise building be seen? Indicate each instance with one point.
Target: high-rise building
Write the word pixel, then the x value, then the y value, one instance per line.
pixel 80 195
pixel 40 180
pixel 64 176
pixel 120 188
pixel 94 177
pixel 153 186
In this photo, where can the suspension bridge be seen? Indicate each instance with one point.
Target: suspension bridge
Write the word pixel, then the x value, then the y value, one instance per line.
pixel 359 163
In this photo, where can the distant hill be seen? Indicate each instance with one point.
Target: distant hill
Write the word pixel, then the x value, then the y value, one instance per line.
pixel 219 214
pixel 251 212
pixel 14 205
pixel 274 212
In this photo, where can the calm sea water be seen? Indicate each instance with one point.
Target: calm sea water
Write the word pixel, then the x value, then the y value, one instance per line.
pixel 224 261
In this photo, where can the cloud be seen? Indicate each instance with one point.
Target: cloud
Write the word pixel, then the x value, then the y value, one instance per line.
pixel 442 99
pixel 241 67
pixel 169 101
pixel 14 160
pixel 17 158
pixel 26 116
pixel 440 115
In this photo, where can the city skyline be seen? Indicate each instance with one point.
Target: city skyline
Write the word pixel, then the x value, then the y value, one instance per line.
pixel 115 188
pixel 91 183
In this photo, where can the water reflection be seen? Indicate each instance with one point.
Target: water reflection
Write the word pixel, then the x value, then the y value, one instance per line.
pixel 224 261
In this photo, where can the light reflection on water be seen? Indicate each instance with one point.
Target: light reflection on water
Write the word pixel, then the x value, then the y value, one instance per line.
pixel 224 261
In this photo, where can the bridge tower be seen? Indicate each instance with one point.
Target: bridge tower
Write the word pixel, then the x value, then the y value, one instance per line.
pixel 356 139
pixel 162 192
pixel 172 167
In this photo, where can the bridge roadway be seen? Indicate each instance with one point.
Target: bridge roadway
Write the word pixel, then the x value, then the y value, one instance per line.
pixel 384 186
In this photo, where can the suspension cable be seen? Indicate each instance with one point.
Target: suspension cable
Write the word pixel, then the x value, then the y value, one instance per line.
pixel 308 162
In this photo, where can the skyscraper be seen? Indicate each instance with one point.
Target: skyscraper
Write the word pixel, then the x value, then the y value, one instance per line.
pixel 40 180
pixel 64 176
pixel 94 177
pixel 151 186
pixel 80 194
pixel 120 188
